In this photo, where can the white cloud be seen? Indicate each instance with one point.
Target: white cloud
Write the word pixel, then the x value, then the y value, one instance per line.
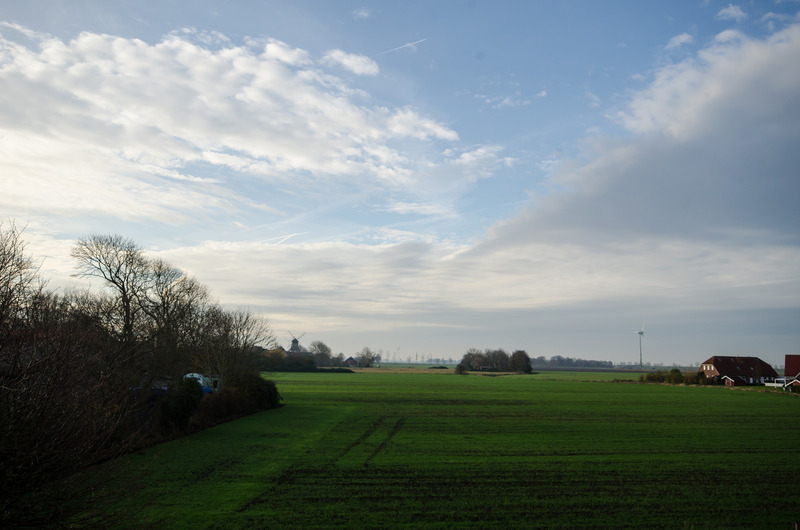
pixel 436 209
pixel 408 123
pixel 205 37
pixel 275 49
pixel 773 20
pixel 688 98
pixel 480 154
pixel 362 13
pixel 358 64
pixel 594 101
pixel 508 100
pixel 27 32
pixel 478 162
pixel 113 126
pixel 679 40
pixel 548 165
pixel 731 12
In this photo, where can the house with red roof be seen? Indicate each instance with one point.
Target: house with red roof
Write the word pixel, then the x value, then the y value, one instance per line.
pixel 738 371
pixel 350 362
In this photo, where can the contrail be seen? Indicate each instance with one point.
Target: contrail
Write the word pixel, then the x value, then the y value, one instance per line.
pixel 283 239
pixel 406 45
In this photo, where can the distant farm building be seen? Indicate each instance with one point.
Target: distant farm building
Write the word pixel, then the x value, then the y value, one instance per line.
pixel 791 371
pixel 736 371
pixel 350 362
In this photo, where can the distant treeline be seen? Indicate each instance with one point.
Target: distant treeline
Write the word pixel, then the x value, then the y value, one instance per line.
pixel 557 361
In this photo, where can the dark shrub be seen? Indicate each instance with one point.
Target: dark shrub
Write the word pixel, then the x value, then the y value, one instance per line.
pixel 521 362
pixel 675 376
pixel 227 404
pixel 261 393
pixel 297 363
pixel 179 404
pixel 461 369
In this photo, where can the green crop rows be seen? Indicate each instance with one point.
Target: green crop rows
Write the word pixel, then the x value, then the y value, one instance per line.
pixel 394 450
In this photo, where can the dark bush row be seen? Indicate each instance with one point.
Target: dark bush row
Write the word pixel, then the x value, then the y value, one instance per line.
pixel 674 376
pixel 183 408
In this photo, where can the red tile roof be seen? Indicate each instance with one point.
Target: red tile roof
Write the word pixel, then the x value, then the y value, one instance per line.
pixel 741 367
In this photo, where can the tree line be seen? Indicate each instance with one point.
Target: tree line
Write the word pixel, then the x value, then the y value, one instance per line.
pixel 79 369
pixel 317 355
pixel 494 360
pixel 557 361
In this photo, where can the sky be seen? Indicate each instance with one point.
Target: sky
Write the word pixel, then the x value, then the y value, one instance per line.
pixel 421 177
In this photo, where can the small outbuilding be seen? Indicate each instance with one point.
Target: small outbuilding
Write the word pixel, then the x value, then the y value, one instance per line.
pixel 736 371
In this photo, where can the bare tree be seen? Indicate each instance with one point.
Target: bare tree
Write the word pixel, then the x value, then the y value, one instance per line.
pixel 322 353
pixel 366 357
pixel 18 278
pixel 122 265
pixel 229 341
pixel 474 359
pixel 497 360
pixel 319 347
pixel 172 303
pixel 62 406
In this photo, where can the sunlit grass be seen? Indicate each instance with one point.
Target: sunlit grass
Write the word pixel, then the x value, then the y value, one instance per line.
pixel 394 449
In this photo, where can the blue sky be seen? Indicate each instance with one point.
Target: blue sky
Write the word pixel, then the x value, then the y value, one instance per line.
pixel 427 177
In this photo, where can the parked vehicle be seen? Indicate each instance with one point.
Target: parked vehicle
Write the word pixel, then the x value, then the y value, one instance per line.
pixel 205 382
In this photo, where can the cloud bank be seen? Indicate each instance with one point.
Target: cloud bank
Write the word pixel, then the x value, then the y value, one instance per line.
pixel 162 131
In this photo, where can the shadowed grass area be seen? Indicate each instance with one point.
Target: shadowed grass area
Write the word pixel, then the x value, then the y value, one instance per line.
pixel 393 449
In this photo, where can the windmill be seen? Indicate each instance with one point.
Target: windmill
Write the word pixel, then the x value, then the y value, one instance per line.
pixel 295 347
pixel 641 334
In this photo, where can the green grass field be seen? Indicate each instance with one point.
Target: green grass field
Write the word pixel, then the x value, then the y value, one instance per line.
pixel 440 450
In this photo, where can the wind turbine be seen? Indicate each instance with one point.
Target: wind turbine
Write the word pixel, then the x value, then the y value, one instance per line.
pixel 641 334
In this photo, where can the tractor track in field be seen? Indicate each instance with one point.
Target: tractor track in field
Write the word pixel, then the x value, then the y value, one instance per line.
pixel 288 475
pixel 392 434
pixel 365 435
